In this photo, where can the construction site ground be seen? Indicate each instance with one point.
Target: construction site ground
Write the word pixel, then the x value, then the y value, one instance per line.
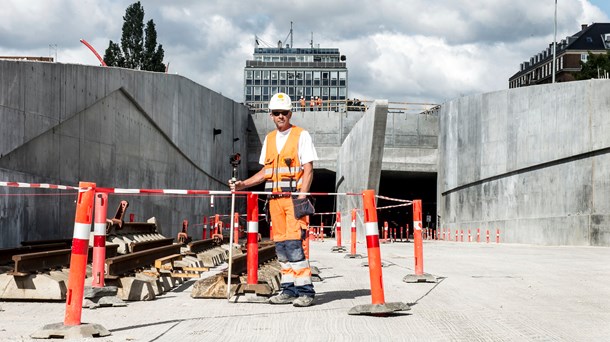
pixel 485 292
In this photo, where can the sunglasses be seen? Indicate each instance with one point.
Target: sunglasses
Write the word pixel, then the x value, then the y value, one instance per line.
pixel 284 113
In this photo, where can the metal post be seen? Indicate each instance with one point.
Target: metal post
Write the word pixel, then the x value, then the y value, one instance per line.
pixel 555 45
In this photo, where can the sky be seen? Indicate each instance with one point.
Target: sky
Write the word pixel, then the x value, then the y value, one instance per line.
pixel 404 51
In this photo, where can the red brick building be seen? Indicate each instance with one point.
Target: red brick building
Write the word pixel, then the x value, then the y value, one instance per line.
pixel 572 50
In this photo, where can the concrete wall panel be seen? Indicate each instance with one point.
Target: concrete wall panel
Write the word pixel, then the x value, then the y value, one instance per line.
pixel 532 158
pixel 118 128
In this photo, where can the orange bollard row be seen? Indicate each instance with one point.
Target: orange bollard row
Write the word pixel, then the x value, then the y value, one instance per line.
pixel 99 239
pixel 418 246
pixel 72 327
pixel 378 306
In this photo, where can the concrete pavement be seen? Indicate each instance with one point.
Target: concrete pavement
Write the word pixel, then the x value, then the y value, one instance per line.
pixel 486 292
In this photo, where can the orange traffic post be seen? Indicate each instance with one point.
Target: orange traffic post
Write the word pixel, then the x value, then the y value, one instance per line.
pixel 478 234
pixel 72 326
pixel 99 239
pixel 378 306
pixel 385 231
pixel 252 242
pixel 487 235
pixel 306 239
pixel 338 248
pixel 270 230
pixel 418 245
pixel 312 233
pixel 469 236
pixel 353 254
pixel 456 235
pixel 461 235
pixel 205 228
pixel 252 291
pixel 236 228
pixel 497 235
pixel 321 231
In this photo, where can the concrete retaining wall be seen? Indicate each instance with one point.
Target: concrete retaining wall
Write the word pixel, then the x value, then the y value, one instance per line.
pixel 116 127
pixel 532 162
pixel 411 139
pixel 359 164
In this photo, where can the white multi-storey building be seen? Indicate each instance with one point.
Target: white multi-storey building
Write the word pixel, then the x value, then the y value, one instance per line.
pixel 306 72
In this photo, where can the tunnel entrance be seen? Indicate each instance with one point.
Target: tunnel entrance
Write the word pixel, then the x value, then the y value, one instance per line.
pixel 410 186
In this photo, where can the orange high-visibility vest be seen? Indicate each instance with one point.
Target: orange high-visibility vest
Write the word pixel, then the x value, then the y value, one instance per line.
pixel 280 176
pixel 319 101
pixel 302 102
pixel 312 102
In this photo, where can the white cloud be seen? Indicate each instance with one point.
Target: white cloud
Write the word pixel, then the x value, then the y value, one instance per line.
pixel 404 51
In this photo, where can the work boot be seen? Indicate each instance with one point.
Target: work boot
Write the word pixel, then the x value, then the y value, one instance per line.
pixel 282 298
pixel 303 301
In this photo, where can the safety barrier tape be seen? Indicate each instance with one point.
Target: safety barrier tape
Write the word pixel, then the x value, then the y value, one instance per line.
pixel 393 199
pixel 38 186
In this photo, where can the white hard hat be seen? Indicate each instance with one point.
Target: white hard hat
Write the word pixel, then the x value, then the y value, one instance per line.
pixel 280 101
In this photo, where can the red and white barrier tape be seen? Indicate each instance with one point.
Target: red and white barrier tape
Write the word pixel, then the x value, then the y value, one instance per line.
pixel 395 206
pixel 38 186
pixel 393 199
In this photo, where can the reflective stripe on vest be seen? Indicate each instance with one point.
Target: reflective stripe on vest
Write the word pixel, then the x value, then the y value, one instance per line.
pixel 280 176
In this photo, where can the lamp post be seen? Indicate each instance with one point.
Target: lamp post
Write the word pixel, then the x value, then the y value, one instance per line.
pixel 555 45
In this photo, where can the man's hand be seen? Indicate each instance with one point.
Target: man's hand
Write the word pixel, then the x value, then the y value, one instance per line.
pixel 236 185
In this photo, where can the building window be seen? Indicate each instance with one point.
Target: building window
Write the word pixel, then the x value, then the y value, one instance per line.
pixel 257 74
pixel 248 74
pixel 265 74
pixel 561 63
pixel 316 91
pixel 584 57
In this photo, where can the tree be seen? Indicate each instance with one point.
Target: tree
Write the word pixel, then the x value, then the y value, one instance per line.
pixel 595 67
pixel 136 51
pixel 153 55
pixel 114 56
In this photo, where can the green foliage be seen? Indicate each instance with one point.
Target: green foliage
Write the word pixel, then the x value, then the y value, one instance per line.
pixel 137 51
pixel 114 56
pixel 153 55
pixel 595 67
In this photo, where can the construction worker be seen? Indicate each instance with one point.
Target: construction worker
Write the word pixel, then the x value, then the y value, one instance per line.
pixel 319 102
pixel 287 157
pixel 302 103
pixel 312 103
